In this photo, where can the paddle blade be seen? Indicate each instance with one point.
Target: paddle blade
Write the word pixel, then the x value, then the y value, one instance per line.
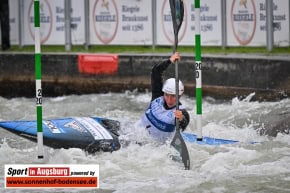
pixel 179 144
pixel 177 13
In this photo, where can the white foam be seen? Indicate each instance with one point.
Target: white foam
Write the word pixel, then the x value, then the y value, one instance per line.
pixel 241 167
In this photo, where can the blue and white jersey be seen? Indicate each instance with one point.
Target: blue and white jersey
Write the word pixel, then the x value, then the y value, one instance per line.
pixel 159 121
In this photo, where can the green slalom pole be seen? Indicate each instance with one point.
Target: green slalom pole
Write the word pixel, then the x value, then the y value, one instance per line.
pixel 38 79
pixel 198 71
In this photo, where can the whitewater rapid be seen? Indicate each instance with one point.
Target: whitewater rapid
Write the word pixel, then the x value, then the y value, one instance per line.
pixel 243 167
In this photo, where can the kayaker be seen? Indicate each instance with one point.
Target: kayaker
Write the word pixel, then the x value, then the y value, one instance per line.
pixel 159 118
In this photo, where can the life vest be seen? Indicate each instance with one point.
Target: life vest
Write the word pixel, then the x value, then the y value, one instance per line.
pixel 159 121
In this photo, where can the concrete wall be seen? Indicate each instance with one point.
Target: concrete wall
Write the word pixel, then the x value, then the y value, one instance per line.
pixel 223 77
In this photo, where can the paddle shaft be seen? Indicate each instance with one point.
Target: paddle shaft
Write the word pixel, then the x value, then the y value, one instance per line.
pixel 177 12
pixel 176 82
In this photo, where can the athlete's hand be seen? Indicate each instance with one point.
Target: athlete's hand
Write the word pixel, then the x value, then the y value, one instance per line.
pixel 174 57
pixel 178 115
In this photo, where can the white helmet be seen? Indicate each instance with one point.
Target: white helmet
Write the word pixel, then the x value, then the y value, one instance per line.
pixel 169 86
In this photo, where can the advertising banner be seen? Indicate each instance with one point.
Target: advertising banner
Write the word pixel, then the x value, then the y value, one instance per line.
pixel 130 22
pixel 121 22
pixel 52 22
pixel 210 19
pixel 247 26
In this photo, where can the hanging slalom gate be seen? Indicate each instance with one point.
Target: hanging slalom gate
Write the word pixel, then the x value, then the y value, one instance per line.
pixel 38 79
pixel 198 71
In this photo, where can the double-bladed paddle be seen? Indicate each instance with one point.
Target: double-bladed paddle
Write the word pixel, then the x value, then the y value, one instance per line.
pixel 177 13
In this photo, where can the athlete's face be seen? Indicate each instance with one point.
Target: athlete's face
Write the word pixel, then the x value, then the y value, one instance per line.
pixel 170 100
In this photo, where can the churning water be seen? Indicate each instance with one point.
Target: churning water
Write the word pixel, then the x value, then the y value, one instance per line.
pixel 242 167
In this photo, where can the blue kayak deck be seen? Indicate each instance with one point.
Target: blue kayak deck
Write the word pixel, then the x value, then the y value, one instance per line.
pixel 192 138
